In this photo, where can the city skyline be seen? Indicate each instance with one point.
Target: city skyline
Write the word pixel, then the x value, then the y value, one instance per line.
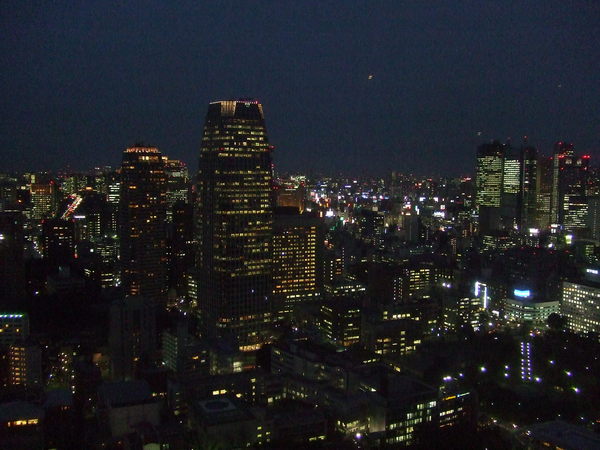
pixel 403 86
pixel 296 224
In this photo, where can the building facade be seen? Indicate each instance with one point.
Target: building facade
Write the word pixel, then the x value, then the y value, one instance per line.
pixel 234 214
pixel 142 224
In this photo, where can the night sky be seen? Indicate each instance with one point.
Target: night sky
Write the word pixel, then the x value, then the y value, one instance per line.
pixel 82 80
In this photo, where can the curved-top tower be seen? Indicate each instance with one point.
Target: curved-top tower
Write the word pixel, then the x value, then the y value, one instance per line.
pixel 234 223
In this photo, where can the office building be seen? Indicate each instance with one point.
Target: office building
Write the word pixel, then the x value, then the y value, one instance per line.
pixel 489 174
pixel 142 224
pixel 340 321
pixel 58 246
pixel 488 185
pixel 569 178
pixel 132 336
pixel 528 188
pixel 14 328
pixel 176 173
pixel 42 200
pixel 25 364
pixel 580 304
pixel 593 217
pixel 235 224
pixel 12 264
pixel 544 192
pixel 297 243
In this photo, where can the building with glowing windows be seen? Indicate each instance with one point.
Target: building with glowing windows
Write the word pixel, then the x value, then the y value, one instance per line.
pixel 297 242
pixel 522 306
pixel 507 186
pixel 569 179
pixel 177 184
pixel 489 174
pixel 42 200
pixel 25 364
pixel 234 213
pixel 340 321
pixel 528 189
pixel 14 327
pixel 142 214
pixel 581 306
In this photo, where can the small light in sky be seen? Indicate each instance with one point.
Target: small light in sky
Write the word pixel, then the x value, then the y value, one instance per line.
pixel 371 76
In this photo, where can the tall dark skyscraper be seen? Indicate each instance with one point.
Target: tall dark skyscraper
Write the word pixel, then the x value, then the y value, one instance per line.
pixel 12 266
pixel 234 214
pixel 142 224
pixel 528 188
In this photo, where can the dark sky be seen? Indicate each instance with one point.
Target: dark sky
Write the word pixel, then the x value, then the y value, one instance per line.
pixel 82 80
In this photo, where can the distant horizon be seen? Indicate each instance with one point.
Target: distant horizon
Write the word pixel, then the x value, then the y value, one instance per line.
pixel 405 86
pixel 364 172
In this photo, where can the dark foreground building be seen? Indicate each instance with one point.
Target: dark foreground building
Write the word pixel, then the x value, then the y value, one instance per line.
pixel 234 213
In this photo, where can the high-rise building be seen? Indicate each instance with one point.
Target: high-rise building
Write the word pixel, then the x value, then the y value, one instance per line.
pixel 142 213
pixel 234 213
pixel 132 335
pixel 58 241
pixel 593 217
pixel 177 184
pixel 488 184
pixel 181 245
pixel 113 188
pixel 297 255
pixel 569 178
pixel 580 304
pixel 25 364
pixel 528 188
pixel 489 176
pixel 340 321
pixel 42 200
pixel 291 194
pixel 14 328
pixel 12 266
pixel 544 192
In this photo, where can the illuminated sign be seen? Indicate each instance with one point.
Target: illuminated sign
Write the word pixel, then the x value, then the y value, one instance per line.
pixel 522 293
pixel 592 271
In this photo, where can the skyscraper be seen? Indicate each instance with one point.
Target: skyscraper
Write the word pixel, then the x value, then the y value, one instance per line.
pixel 511 187
pixel 489 176
pixel 131 335
pixel 58 241
pixel 569 182
pixel 488 184
pixel 12 264
pixel 142 223
pixel 234 213
pixel 297 257
pixel 528 188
